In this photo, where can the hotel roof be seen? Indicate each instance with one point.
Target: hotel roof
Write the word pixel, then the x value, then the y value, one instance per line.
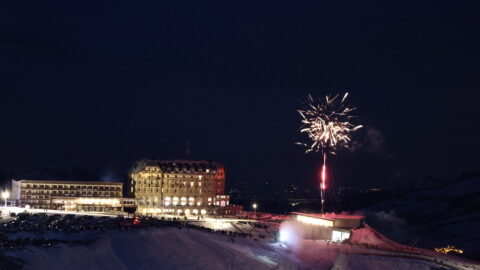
pixel 179 166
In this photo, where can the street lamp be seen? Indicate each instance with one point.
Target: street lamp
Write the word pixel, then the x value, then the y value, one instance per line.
pixel 5 195
pixel 255 210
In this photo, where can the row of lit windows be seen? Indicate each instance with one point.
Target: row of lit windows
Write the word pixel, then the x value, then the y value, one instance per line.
pixel 171 190
pixel 177 169
pixel 152 181
pixel 174 211
pixel 71 195
pixel 78 193
pixel 37 201
pixel 172 185
pixel 66 186
pixel 182 203
pixel 61 192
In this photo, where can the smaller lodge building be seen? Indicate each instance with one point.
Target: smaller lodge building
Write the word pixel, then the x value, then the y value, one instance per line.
pixel 330 226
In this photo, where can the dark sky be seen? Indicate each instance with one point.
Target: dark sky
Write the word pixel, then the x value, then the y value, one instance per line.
pixel 105 84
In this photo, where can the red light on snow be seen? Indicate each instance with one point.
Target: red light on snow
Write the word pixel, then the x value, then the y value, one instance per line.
pixel 136 221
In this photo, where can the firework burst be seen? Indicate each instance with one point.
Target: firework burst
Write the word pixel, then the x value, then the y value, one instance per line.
pixel 328 126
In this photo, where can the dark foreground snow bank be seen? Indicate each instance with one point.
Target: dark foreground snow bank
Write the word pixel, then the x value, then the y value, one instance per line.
pixel 173 248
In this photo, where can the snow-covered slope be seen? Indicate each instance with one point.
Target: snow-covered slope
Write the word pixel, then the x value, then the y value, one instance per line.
pixel 433 217
pixel 172 248
pixel 168 248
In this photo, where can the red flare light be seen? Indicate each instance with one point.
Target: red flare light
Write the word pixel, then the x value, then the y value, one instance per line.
pixel 324 172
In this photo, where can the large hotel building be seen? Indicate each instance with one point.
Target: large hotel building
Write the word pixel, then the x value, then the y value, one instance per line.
pixel 180 187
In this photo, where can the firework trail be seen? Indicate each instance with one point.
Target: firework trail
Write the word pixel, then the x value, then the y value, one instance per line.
pixel 328 125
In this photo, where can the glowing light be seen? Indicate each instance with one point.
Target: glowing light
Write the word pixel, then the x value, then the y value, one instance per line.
pixel 324 173
pixel 449 249
pixel 203 212
pixel 136 221
pixel 284 236
pixel 315 221
pixel 338 236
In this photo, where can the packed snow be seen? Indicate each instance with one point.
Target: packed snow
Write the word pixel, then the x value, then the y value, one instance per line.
pixel 174 248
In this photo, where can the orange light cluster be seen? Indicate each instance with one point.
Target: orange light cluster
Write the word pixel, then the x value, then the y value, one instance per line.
pixel 449 249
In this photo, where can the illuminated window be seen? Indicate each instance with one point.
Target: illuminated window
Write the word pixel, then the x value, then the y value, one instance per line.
pixel 338 236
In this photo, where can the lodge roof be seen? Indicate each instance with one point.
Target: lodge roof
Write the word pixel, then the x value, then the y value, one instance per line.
pixel 330 216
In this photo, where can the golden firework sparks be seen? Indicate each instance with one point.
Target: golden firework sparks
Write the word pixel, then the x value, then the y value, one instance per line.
pixel 328 124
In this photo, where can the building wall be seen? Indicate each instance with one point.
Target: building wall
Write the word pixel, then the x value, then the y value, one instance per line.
pixel 57 194
pixel 179 184
pixel 348 223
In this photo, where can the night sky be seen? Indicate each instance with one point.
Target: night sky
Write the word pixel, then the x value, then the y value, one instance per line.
pixel 103 85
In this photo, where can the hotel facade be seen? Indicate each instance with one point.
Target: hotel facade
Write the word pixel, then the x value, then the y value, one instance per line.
pixel 180 187
pixel 69 195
